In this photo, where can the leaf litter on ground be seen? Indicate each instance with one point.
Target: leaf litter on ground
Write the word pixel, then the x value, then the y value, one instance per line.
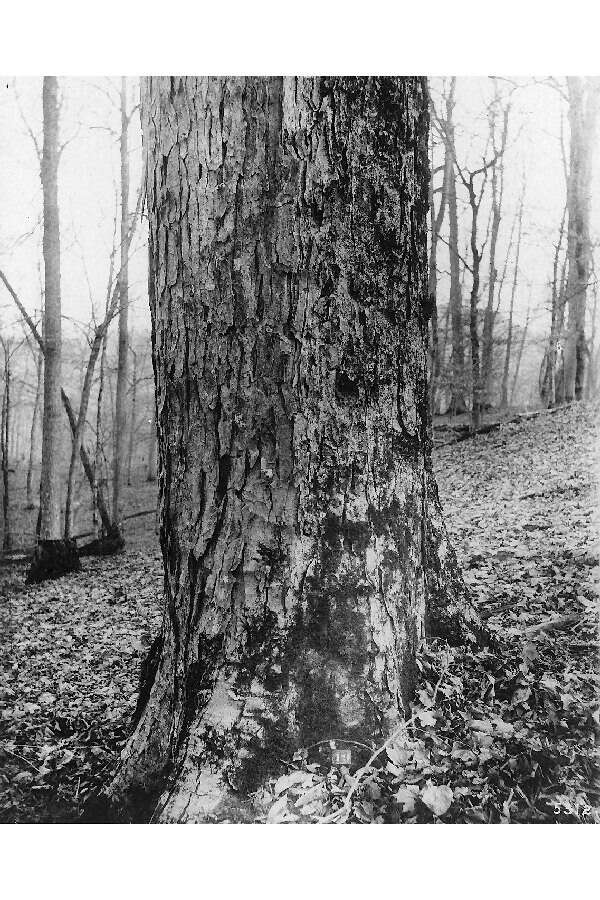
pixel 505 733
pixel 69 666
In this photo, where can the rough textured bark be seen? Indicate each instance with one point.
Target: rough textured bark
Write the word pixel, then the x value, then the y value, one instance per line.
pixel 121 417
pixel 304 549
pixel 583 101
pixel 151 472
pixel 53 556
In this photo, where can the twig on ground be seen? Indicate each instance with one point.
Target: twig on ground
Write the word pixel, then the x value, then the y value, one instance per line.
pixel 556 623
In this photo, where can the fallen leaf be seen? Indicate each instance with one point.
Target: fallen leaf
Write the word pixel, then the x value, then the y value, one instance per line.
pixel 437 798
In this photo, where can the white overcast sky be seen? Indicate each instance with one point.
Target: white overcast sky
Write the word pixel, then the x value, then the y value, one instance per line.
pixel 88 179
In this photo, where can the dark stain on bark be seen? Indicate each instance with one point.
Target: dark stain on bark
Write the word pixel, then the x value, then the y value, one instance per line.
pixel 148 672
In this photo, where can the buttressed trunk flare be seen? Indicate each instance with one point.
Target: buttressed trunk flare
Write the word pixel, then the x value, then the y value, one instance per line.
pixel 304 550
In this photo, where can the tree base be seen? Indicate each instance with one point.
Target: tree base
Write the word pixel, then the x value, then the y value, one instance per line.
pixel 52 559
pixel 113 542
pixel 99 810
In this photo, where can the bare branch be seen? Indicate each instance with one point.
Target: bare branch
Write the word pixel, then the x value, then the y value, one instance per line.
pixel 463 261
pixel 22 310
pixel 28 128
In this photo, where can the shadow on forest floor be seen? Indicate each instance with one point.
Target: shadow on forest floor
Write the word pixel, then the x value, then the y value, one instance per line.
pixel 509 737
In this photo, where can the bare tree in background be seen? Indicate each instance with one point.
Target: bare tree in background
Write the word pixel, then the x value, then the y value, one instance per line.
pixel 64 550
pixel 583 105
pixel 548 372
pixel 437 220
pixel 111 539
pixel 121 412
pixel 457 402
pixel 132 421
pixel 497 187
pixel 509 337
pixel 515 381
pixel 475 194
pixel 4 444
pixel 53 556
pixel 39 363
pixel 591 381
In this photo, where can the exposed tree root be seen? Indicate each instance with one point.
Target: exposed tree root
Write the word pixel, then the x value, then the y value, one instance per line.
pixel 113 542
pixel 52 559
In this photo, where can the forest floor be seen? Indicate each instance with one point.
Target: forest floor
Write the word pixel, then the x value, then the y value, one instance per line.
pixel 506 733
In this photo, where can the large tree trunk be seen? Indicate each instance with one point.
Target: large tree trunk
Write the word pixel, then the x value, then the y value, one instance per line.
pixel 151 471
pixel 304 549
pixel 120 431
pixel 53 556
pixel 582 120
